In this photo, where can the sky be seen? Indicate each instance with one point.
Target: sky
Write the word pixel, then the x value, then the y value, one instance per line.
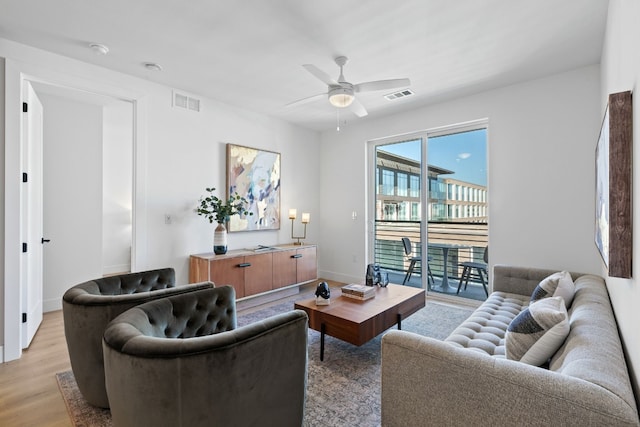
pixel 464 153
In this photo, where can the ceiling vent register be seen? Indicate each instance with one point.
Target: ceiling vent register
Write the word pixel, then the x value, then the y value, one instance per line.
pixel 400 94
pixel 186 102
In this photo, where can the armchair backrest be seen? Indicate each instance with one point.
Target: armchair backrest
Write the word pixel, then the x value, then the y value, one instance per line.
pixel 125 284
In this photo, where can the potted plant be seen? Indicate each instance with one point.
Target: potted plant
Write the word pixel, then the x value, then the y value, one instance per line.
pixel 214 208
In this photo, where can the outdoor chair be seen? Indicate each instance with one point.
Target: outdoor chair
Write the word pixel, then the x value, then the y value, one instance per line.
pixel 413 260
pixel 476 269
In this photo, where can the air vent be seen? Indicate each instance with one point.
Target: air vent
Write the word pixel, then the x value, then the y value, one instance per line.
pixel 186 102
pixel 400 94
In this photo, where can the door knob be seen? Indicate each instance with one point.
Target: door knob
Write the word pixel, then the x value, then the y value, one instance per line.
pixel 45 240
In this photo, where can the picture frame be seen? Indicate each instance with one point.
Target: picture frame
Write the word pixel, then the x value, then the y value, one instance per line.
pixel 613 220
pixel 255 175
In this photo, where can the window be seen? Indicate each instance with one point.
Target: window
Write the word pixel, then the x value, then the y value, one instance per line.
pixel 403 184
pixel 387 182
pixel 414 186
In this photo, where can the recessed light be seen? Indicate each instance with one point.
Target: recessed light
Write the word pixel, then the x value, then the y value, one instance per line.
pixel 152 66
pixel 99 49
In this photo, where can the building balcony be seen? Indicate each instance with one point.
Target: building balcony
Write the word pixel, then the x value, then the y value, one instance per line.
pixel 458 241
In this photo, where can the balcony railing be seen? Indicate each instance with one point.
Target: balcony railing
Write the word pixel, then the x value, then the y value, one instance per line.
pixel 467 240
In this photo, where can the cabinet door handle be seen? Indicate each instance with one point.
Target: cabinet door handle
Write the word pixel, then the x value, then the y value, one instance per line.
pixel 296 256
pixel 244 264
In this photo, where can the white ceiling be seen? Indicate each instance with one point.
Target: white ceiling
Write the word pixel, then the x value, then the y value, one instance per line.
pixel 250 52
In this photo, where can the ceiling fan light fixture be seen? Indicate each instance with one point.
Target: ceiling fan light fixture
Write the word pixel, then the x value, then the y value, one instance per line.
pixel 341 97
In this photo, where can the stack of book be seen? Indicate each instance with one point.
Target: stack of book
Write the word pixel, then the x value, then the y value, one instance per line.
pixel 360 292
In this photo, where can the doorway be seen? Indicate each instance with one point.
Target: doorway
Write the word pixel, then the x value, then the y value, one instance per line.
pixel 15 74
pixel 88 186
pixel 425 234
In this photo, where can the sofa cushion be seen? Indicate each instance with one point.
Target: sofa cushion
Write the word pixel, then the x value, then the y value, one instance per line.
pixel 557 284
pixel 484 330
pixel 538 332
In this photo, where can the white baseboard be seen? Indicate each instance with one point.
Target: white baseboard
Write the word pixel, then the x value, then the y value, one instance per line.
pixel 116 269
pixel 338 277
pixel 51 305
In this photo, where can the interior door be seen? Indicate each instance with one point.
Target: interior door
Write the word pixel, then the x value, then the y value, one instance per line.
pixel 31 207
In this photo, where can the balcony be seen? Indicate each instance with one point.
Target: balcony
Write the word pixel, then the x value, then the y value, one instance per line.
pixel 460 242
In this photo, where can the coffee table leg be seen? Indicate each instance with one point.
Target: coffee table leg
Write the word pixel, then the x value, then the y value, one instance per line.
pixel 322 330
pixel 399 321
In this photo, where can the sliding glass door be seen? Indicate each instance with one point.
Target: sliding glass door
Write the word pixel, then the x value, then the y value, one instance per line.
pixel 429 225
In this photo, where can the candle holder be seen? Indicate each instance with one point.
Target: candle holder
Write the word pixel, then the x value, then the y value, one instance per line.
pixel 305 220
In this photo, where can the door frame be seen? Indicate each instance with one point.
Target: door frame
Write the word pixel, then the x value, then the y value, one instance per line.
pixel 15 73
pixel 370 169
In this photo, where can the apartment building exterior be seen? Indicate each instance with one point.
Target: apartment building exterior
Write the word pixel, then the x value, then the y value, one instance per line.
pixel 398 193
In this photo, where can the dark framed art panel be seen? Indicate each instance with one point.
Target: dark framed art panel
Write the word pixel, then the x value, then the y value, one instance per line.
pixel 613 234
pixel 255 175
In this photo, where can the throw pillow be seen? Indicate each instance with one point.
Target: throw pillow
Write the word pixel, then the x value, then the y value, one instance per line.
pixel 535 334
pixel 557 284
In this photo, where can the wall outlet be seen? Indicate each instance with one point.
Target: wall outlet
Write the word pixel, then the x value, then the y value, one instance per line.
pixel 167 219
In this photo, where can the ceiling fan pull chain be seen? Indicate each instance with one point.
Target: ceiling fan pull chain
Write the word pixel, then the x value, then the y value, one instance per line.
pixel 338 119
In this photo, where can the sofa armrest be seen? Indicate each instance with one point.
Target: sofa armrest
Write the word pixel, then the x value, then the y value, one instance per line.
pixel 430 382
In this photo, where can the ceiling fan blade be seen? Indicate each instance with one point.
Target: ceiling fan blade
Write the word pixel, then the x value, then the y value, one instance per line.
pixel 381 85
pixel 306 100
pixel 357 108
pixel 321 75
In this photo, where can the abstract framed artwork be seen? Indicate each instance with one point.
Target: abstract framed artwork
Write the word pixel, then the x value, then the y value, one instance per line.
pixel 255 175
pixel 613 233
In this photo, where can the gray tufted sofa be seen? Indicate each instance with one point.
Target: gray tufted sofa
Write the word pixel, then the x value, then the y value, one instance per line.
pixel 466 379
pixel 87 309
pixel 180 361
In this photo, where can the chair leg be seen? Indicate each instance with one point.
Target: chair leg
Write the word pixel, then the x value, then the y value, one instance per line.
pixel 484 282
pixel 433 282
pixel 465 275
pixel 407 277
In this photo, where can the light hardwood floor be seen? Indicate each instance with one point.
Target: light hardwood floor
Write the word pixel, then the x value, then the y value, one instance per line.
pixel 29 394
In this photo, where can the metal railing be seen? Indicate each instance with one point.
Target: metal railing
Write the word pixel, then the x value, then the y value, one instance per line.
pixel 467 242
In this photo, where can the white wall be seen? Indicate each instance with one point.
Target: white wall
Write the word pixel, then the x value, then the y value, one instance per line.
pixel 541 144
pixel 117 186
pixel 182 154
pixel 621 72
pixel 72 195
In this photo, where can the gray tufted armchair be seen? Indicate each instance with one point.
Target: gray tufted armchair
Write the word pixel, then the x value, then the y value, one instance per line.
pixel 180 361
pixel 87 309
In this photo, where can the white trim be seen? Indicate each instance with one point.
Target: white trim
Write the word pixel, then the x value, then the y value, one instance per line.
pixel 15 73
pixel 12 290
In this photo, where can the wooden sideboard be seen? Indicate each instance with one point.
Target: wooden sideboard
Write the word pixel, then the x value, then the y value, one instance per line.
pixel 255 272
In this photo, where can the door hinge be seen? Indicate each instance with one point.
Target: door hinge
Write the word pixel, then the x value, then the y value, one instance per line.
pixel 24 317
pixel 24 247
pixel 25 107
pixel 25 177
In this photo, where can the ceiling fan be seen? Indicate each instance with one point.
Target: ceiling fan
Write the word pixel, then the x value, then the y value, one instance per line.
pixel 341 93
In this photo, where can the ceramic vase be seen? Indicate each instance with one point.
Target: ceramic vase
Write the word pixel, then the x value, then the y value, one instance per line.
pixel 220 240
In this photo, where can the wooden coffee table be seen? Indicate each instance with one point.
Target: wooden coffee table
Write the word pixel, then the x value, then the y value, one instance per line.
pixel 358 322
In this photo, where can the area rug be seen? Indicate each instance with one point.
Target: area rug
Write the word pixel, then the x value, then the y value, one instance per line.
pixel 343 390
